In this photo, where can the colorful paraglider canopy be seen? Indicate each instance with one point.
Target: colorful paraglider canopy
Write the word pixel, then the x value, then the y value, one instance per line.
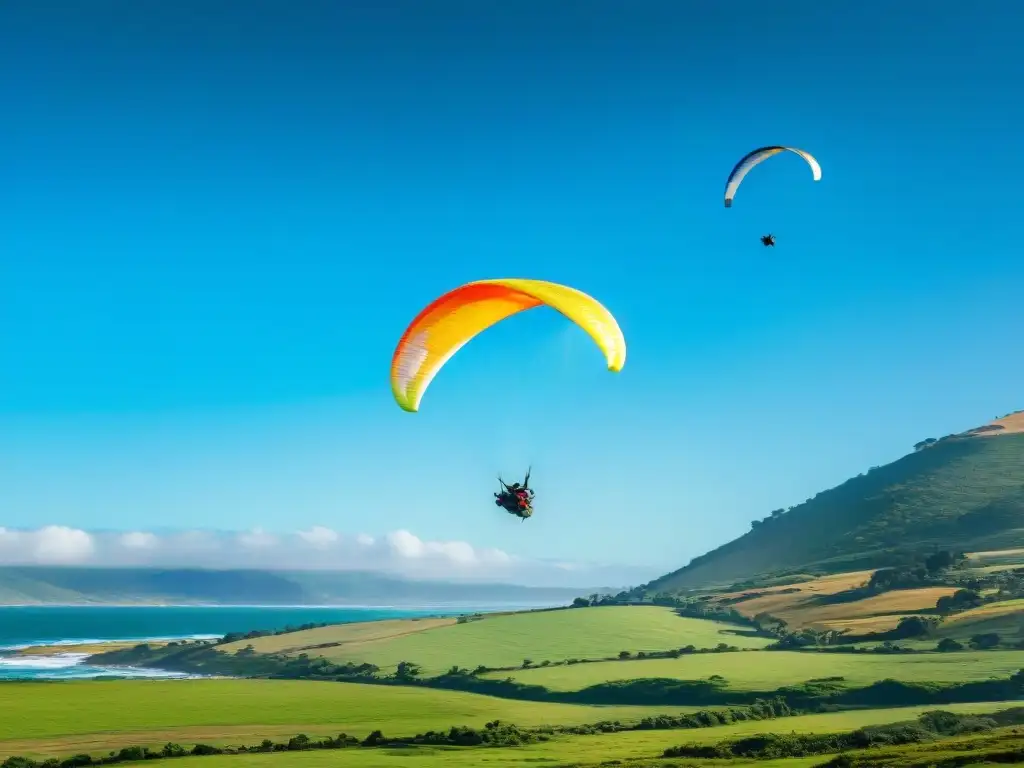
pixel 452 320
pixel 757 156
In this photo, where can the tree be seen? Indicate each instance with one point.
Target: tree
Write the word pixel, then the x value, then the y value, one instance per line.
pixel 961 600
pixel 406 670
pixel 948 645
pixel 914 626
pixel 581 602
pixel 985 642
pixel 624 654
pixel 939 561
pixel 375 739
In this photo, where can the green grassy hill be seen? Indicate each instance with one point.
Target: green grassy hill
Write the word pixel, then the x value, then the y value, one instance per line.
pixel 963 492
pixel 504 640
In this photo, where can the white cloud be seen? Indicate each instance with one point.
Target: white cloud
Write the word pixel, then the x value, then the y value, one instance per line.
pixel 257 539
pixel 400 553
pixel 405 544
pixel 138 540
pixel 52 545
pixel 320 537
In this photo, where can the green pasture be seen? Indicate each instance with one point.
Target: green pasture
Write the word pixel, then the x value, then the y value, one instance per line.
pixel 768 670
pixel 70 716
pixel 507 640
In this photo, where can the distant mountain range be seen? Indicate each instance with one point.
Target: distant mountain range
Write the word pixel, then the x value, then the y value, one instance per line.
pixel 187 586
pixel 963 492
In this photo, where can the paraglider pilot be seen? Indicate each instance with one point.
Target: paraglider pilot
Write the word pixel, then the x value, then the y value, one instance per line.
pixel 516 499
pixel 768 240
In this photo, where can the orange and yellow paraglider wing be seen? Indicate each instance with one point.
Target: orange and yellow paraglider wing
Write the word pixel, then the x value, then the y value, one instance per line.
pixel 444 327
pixel 587 312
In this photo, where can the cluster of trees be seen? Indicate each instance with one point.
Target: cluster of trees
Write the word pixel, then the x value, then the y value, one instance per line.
pixel 633 596
pixel 928 442
pixel 775 514
pixel 232 637
pixel 981 642
pixel 931 571
pixel 908 628
pixel 496 734
pixel 928 727
pixel 997 587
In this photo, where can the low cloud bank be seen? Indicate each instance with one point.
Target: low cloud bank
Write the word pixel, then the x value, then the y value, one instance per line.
pixel 400 553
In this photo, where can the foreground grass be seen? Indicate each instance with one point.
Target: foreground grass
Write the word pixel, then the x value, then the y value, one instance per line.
pixel 81 716
pixel 768 670
pixel 564 751
pixel 506 640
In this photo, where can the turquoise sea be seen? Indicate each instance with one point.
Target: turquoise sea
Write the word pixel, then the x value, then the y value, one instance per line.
pixel 71 626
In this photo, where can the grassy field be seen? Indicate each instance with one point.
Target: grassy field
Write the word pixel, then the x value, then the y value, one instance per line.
pixel 798 604
pixel 571 750
pixel 801 608
pixel 770 670
pixel 997 557
pixel 822 585
pixel 79 716
pixel 884 610
pixel 1005 618
pixel 506 640
pixel 349 635
pixel 782 601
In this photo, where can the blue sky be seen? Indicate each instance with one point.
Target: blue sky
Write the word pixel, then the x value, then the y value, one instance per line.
pixel 216 220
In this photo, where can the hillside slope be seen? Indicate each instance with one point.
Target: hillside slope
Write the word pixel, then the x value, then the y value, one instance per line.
pixel 963 492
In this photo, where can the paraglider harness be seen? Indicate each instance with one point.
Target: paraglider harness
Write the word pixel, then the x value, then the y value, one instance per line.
pixel 516 499
pixel 768 240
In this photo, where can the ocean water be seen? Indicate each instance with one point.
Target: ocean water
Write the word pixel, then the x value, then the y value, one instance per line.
pixel 71 626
